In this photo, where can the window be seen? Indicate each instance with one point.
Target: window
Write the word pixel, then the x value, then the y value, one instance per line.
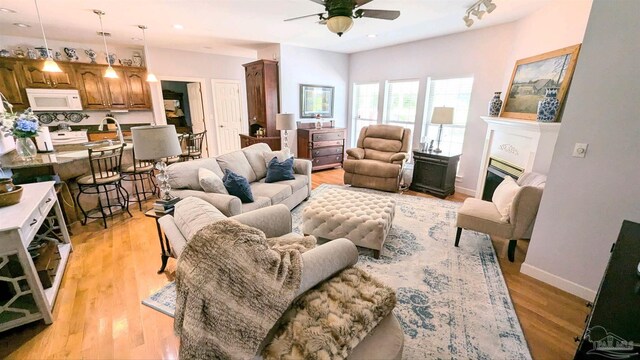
pixel 401 102
pixel 454 93
pixel 365 106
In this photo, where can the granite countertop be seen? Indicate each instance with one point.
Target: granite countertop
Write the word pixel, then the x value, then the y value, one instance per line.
pixel 63 154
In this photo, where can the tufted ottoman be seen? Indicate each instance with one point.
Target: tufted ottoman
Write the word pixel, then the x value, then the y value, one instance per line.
pixel 362 218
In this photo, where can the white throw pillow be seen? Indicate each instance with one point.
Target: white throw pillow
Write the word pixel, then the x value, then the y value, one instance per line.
pixel 210 182
pixel 504 195
pixel 282 155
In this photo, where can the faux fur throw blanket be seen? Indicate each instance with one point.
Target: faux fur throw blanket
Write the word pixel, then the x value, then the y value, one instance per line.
pixel 330 320
pixel 232 287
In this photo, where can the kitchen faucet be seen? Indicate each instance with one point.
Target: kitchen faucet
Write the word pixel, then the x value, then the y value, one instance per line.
pixel 118 131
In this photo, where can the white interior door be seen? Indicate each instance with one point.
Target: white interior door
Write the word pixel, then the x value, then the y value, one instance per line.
pixel 228 112
pixel 198 123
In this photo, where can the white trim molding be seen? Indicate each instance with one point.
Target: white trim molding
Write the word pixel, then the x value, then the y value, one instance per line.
pixel 560 283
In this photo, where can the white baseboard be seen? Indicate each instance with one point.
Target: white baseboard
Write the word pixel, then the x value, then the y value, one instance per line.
pixel 560 283
pixel 470 192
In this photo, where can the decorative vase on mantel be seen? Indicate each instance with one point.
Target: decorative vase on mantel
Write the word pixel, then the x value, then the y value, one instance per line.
pixel 495 104
pixel 548 107
pixel 25 149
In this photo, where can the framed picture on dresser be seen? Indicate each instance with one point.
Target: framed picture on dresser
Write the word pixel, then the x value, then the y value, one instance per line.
pixel 316 100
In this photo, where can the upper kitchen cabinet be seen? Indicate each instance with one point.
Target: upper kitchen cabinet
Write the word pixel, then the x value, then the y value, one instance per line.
pixel 92 87
pixel 138 88
pixel 36 78
pixel 12 84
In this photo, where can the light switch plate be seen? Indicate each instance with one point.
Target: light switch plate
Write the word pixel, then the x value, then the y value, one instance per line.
pixel 580 150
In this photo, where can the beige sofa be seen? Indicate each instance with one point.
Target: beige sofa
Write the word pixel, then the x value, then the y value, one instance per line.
pixel 248 162
pixel 377 160
pixel 385 341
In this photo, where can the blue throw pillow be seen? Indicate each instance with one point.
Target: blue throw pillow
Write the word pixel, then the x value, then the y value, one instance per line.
pixel 238 186
pixel 279 171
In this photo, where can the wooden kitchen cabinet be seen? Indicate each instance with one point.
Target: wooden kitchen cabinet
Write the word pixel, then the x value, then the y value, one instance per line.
pixel 138 88
pixel 117 94
pixel 36 78
pixel 91 85
pixel 12 84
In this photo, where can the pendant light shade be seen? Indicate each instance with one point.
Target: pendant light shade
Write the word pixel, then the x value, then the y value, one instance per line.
pixel 49 64
pixel 339 24
pixel 109 73
pixel 151 77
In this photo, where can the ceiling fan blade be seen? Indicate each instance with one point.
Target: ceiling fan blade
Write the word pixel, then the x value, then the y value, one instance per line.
pixel 321 2
pixel 323 22
pixel 302 17
pixel 380 14
pixel 360 2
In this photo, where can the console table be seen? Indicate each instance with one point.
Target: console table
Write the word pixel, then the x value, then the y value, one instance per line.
pixel 435 173
pixel 22 295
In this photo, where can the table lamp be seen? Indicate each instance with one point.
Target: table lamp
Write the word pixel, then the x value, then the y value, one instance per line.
pixel 156 143
pixel 285 122
pixel 441 116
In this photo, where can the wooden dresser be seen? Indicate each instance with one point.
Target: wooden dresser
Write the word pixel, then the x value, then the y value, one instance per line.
pixel 325 147
pixel 261 78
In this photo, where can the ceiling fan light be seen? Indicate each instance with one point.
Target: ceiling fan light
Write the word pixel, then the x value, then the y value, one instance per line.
pixel 490 6
pixel 51 66
pixel 478 13
pixel 110 73
pixel 151 77
pixel 467 21
pixel 339 24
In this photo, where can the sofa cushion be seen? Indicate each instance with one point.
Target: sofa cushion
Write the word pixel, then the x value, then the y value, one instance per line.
pixel 503 197
pixel 383 156
pixel 372 168
pixel 184 175
pixel 390 132
pixel 237 162
pixel 238 186
pixel 274 191
pixel 386 145
pixel 210 182
pixel 192 214
pixel 259 202
pixel 279 170
pixel 298 182
pixel 256 160
pixel 483 216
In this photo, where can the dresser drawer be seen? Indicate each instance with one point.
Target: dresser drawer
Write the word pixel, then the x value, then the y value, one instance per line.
pixel 319 144
pixel 30 226
pixel 328 136
pixel 327 151
pixel 46 203
pixel 326 160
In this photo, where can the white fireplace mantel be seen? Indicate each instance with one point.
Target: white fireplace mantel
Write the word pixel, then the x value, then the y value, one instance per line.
pixel 526 144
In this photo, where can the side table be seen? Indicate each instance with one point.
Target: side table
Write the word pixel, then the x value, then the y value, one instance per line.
pixel 435 173
pixel 164 242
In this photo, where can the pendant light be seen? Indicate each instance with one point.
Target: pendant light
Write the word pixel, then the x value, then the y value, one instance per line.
pixel 49 64
pixel 150 76
pixel 109 73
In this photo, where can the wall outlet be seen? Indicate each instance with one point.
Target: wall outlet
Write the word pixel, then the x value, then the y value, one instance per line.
pixel 580 150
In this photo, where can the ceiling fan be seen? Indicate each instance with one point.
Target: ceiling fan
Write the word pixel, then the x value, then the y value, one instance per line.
pixel 338 15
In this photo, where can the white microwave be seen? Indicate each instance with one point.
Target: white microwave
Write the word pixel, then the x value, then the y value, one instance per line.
pixel 54 99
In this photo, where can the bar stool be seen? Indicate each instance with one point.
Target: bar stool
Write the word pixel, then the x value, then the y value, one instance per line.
pixel 140 171
pixel 175 159
pixel 193 149
pixel 105 179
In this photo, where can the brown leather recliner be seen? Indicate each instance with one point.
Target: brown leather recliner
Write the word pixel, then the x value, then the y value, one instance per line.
pixel 377 161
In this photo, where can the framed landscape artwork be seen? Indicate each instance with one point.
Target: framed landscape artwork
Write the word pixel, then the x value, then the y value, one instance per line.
pixel 316 100
pixel 532 76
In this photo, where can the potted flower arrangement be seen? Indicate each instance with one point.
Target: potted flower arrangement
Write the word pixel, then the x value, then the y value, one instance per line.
pixel 22 127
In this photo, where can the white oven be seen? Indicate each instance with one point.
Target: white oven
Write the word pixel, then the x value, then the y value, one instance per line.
pixel 54 99
pixel 65 137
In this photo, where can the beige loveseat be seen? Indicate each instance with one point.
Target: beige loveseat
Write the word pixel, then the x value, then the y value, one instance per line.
pixel 377 160
pixel 248 162
pixel 385 341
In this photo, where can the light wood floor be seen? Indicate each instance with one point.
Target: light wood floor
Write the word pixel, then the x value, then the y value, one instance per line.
pixel 98 313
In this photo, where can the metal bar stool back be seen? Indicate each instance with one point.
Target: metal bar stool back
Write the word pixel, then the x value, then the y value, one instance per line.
pixel 139 172
pixel 193 148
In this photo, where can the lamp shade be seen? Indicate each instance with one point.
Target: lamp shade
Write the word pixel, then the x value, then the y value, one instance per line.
pixel 442 115
pixel 155 142
pixel 285 122
pixel 339 24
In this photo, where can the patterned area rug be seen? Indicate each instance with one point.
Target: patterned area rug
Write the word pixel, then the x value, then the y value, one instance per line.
pixel 452 302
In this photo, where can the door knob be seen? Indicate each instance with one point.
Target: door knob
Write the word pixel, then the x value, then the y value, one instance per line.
pixel 221 126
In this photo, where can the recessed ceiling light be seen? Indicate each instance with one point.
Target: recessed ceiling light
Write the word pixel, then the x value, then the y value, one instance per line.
pixel 22 25
pixel 5 10
pixel 372 36
pixel 178 27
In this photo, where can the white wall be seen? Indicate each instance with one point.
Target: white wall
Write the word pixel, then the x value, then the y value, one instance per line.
pixel 309 66
pixel 479 53
pixel 586 199
pixel 186 66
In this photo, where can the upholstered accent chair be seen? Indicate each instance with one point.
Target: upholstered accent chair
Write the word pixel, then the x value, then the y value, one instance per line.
pixel 485 216
pixel 377 160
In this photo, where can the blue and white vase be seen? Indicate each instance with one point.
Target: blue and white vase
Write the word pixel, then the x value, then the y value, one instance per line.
pixel 495 104
pixel 548 107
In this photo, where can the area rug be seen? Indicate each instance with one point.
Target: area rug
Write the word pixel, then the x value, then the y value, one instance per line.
pixel 452 302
